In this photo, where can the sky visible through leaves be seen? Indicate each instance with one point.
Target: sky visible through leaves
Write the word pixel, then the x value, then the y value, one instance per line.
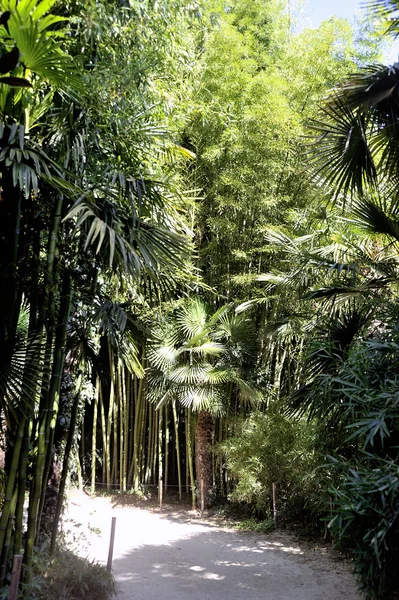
pixel 312 12
pixel 319 10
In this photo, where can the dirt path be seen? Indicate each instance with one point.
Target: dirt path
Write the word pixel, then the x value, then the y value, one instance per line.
pixel 176 556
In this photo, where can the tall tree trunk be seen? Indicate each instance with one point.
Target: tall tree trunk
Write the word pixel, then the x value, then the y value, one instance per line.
pixel 203 455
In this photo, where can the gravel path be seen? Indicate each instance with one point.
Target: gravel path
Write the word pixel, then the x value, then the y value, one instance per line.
pixel 176 556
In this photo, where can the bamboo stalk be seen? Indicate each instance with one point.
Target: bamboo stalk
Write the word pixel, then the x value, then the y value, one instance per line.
pixel 190 458
pixel 12 475
pixel 94 438
pixel 109 420
pixel 122 402
pixel 114 475
pixel 79 470
pixel 155 446
pixel 160 463
pixel 126 407
pixel 143 423
pixel 104 435
pixel 166 448
pixel 149 444
pixel 22 477
pixel 55 383
pixel 7 538
pixel 65 470
pixel 177 443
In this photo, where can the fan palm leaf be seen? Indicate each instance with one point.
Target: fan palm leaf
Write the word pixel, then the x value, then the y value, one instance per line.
pixel 343 158
pixel 387 10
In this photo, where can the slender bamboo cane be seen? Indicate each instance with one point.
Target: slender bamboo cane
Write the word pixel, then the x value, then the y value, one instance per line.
pixel 155 446
pixel 79 470
pixel 7 539
pixel 12 476
pixel 104 435
pixel 123 428
pixel 114 476
pixel 166 447
pixel 55 384
pixel 82 448
pixel 94 438
pixel 130 407
pixel 141 454
pixel 22 477
pixel 190 458
pixel 160 462
pixel 65 469
pixel 177 443
pixel 50 290
pixel 110 418
pixel 126 408
pixel 222 491
pixel 134 467
pixel 149 443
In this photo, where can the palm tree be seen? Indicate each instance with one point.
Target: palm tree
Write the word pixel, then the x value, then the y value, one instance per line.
pixel 197 358
pixel 126 221
pixel 357 139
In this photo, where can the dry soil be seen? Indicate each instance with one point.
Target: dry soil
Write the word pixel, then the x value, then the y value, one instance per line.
pixel 174 555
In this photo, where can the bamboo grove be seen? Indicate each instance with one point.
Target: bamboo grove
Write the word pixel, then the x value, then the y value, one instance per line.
pixel 198 265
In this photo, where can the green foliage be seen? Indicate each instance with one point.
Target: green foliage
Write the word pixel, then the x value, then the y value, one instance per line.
pixel 363 470
pixel 268 448
pixel 252 524
pixel 367 521
pixel 199 357
pixel 66 577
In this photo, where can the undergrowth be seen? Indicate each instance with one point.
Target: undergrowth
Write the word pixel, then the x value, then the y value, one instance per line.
pixel 66 576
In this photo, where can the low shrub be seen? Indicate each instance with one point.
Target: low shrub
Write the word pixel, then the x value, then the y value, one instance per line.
pixel 366 521
pixel 269 448
pixel 66 576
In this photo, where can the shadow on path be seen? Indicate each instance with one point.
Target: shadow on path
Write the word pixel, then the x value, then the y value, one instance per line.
pixel 164 557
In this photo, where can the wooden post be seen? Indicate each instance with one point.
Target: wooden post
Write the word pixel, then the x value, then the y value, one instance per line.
pixel 111 544
pixel 16 573
pixel 202 498
pixel 160 494
pixel 274 505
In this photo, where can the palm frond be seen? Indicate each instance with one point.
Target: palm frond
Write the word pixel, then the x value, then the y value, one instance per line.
pixel 21 368
pixel 341 156
pixel 376 217
pixel 387 10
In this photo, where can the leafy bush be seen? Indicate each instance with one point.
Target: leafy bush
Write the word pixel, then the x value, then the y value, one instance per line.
pixel 71 577
pixel 66 577
pixel 367 521
pixel 366 497
pixel 269 448
pixel 257 526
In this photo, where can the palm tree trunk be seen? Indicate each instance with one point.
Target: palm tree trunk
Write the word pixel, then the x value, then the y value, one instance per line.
pixel 203 449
